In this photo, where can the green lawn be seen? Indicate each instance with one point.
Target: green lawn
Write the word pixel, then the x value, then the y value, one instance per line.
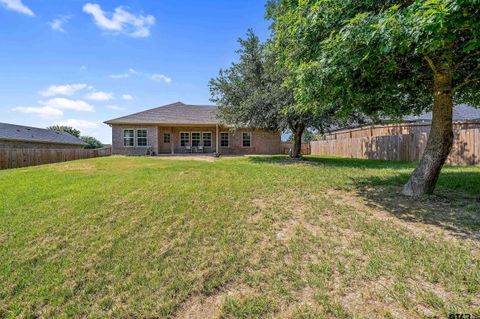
pixel 236 238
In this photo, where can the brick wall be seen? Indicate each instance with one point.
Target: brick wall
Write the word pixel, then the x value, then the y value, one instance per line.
pixel 117 140
pixel 263 142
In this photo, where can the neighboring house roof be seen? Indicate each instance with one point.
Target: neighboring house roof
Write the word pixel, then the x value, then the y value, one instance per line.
pixel 176 113
pixel 461 112
pixel 38 135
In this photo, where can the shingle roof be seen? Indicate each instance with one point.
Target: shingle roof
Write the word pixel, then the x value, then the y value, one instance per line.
pixel 461 112
pixel 34 134
pixel 176 113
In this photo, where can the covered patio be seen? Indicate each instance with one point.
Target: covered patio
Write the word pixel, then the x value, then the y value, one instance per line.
pixel 192 139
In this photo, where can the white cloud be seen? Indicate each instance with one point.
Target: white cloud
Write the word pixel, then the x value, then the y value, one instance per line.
pixel 119 76
pixel 67 89
pixel 17 5
pixel 43 111
pixel 115 107
pixel 99 96
pixel 132 72
pixel 83 68
pixel 57 24
pixel 124 75
pixel 61 103
pixel 160 78
pixel 121 20
pixel 54 108
pixel 79 124
pixel 127 97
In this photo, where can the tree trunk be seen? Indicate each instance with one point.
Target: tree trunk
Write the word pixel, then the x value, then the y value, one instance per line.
pixel 297 140
pixel 439 144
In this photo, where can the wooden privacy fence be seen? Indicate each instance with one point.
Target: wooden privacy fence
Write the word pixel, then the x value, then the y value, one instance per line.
pixel 400 143
pixel 287 146
pixel 17 157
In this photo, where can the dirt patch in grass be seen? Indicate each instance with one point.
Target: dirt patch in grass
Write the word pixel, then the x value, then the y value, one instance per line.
pixel 203 158
pixel 200 306
pixel 80 166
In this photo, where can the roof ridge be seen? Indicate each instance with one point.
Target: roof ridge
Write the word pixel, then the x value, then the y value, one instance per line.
pixel 154 108
pixel 17 132
pixel 36 128
pixel 209 105
pixel 178 109
pixel 26 126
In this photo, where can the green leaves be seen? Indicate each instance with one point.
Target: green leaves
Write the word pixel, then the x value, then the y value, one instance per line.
pixel 368 56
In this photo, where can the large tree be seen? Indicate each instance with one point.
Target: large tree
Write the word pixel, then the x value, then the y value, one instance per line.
pixel 251 94
pixel 385 59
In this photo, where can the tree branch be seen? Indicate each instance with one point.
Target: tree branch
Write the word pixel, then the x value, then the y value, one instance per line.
pixel 465 83
pixel 468 79
pixel 466 58
pixel 430 63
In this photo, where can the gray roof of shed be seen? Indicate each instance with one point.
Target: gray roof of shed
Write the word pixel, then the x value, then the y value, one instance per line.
pixel 176 113
pixel 461 112
pixel 38 135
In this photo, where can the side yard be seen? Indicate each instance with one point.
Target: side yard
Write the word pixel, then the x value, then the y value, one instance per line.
pixel 236 238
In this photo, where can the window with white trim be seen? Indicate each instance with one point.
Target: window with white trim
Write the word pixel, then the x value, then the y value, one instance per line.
pixel 247 139
pixel 184 139
pixel 142 137
pixel 224 139
pixel 128 138
pixel 196 139
pixel 207 139
pixel 166 138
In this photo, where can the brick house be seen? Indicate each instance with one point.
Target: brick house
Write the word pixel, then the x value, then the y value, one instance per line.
pixel 180 128
pixel 18 136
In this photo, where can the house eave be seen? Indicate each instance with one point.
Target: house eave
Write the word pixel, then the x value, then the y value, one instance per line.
pixel 41 142
pixel 163 124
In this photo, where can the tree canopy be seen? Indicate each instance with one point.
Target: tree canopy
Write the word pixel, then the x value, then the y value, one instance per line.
pixel 92 142
pixel 376 56
pixel 63 128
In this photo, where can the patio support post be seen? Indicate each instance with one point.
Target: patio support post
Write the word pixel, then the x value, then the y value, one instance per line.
pixel 216 139
pixel 172 141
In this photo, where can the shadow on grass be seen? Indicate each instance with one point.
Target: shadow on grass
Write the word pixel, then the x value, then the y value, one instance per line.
pixel 455 205
pixel 331 161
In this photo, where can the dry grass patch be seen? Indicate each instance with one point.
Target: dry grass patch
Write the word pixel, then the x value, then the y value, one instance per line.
pixel 81 166
pixel 205 158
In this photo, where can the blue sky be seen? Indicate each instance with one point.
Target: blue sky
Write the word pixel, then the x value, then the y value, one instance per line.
pixel 83 62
